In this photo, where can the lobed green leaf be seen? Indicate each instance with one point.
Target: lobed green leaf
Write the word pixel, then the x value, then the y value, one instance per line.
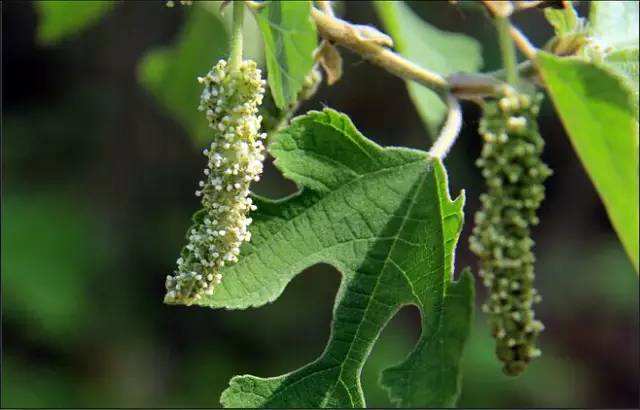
pixel 384 219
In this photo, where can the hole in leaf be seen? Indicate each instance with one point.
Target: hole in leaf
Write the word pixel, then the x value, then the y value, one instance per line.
pixel 290 332
pixel 396 341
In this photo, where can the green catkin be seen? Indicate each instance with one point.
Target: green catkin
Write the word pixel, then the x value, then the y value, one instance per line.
pixel 230 101
pixel 514 175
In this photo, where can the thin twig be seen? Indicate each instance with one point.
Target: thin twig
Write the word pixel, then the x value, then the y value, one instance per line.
pixel 347 35
pixel 499 8
pixel 525 5
pixel 370 44
pixel 523 43
pixel 450 129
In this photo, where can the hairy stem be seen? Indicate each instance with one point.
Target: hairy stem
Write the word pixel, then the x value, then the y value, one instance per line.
pixel 507 49
pixel 523 43
pixel 235 58
pixel 450 129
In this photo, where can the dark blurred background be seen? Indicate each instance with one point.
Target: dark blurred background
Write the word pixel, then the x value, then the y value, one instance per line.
pixel 98 183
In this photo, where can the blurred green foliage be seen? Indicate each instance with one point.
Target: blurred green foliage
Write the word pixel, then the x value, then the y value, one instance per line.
pixel 615 23
pixel 45 279
pixel 171 73
pixel 61 19
pixel 27 385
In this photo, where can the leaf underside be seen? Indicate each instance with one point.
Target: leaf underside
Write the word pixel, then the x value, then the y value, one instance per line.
pixel 289 41
pixel 597 109
pixel 384 219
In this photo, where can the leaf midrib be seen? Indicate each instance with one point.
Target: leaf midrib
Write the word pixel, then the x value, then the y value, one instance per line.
pixel 417 191
pixel 440 312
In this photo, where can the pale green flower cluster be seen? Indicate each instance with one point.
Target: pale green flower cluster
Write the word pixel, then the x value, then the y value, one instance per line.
pixel 514 174
pixel 230 101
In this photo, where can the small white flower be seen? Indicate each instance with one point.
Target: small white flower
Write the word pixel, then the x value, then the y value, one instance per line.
pixel 234 160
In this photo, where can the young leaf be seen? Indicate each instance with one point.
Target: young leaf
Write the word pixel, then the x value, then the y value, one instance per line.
pixel 62 19
pixel 570 29
pixel 384 219
pixel 564 21
pixel 614 23
pixel 170 74
pixel 440 51
pixel 596 108
pixel 289 40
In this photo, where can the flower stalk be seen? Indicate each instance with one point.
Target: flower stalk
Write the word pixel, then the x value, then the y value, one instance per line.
pixel 507 49
pixel 235 56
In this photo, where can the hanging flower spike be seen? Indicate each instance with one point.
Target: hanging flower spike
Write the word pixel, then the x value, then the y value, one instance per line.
pixel 514 175
pixel 230 101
